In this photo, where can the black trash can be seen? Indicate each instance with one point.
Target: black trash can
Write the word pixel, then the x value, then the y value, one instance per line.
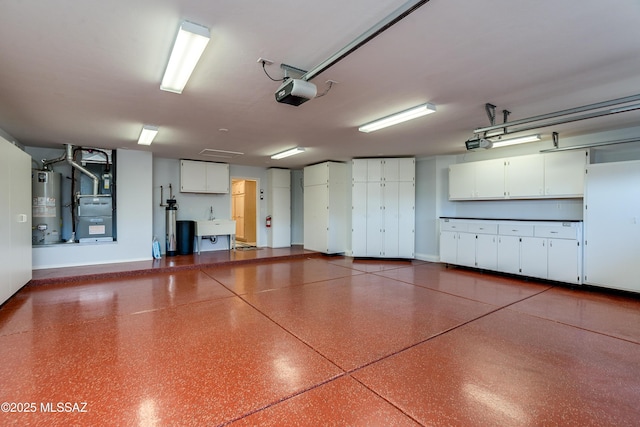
pixel 185 231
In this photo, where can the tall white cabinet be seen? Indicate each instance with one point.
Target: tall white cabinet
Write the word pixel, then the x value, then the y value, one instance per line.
pixel 279 207
pixel 15 218
pixel 325 207
pixel 612 225
pixel 383 207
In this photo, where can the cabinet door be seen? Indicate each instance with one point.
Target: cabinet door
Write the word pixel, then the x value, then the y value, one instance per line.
pixel 193 176
pixel 406 169
pixel 449 247
pixel 217 176
pixel 391 170
pixel 563 260
pixel 359 219
pixel 489 179
pixel 462 181
pixel 612 225
pixel 281 218
pixel 6 222
pixel 375 219
pixel 359 170
pixel 391 212
pixel 15 218
pixel 406 219
pixel 525 176
pixel 487 251
pixel 564 173
pixel 316 174
pixel 467 249
pixel 509 254
pixel 374 170
pixel 533 257
pixel 238 201
pixel 316 217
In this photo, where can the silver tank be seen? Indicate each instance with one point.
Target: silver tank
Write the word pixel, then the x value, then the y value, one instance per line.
pixel 170 225
pixel 47 218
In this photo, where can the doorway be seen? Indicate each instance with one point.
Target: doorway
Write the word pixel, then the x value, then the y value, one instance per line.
pixel 243 210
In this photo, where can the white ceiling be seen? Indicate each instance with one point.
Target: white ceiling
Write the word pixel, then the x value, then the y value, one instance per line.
pixel 88 73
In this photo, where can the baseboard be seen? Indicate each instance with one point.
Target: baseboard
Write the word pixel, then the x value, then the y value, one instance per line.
pixel 427 257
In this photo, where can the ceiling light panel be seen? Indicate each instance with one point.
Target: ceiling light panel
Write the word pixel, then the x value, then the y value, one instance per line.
pixel 394 119
pixel 147 134
pixel 288 153
pixel 513 141
pixel 187 50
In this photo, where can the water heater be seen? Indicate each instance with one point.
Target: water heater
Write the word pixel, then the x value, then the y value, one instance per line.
pixel 47 219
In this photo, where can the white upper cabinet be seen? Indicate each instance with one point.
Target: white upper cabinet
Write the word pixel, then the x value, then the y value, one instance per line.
pixel 564 173
pixel 383 169
pixel 203 177
pixel 489 179
pixel 524 176
pixel 535 176
pixel 462 181
pixel 477 180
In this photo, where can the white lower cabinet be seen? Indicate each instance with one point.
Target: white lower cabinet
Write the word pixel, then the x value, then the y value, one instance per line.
pixel 540 249
pixel 509 254
pixel 487 251
pixel 533 257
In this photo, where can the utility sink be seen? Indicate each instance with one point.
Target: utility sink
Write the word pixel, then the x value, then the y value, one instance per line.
pixel 216 227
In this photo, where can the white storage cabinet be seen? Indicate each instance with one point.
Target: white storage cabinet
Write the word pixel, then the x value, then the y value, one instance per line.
pixel 325 207
pixel 204 177
pixel 383 207
pixel 612 225
pixel 15 218
pixel 279 208
pixel 542 249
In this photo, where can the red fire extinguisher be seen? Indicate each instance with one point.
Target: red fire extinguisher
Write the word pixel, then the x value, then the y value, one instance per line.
pixel 269 221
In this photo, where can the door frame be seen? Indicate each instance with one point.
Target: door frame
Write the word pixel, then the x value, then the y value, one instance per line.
pixel 258 207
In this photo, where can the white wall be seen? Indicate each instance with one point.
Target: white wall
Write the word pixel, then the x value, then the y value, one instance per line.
pixel 196 207
pixel 432 183
pixel 134 198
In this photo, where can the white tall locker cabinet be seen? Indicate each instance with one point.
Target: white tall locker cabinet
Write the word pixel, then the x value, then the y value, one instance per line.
pixel 383 208
pixel 612 225
pixel 15 218
pixel 325 207
pixel 279 208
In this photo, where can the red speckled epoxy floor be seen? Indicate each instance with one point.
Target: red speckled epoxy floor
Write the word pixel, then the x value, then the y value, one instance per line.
pixel 315 341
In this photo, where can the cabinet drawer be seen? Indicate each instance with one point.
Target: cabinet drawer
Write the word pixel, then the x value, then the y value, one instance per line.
pixel 557 232
pixel 483 228
pixel 453 226
pixel 515 230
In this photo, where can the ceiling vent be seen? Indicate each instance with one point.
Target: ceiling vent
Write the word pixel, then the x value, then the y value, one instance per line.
pixel 224 154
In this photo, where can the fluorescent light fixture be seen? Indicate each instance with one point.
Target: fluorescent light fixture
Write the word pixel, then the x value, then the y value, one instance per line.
pixel 403 116
pixel 288 153
pixel 148 133
pixel 517 140
pixel 187 49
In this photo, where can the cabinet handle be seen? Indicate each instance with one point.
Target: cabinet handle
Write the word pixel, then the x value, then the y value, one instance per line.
pixel 22 218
